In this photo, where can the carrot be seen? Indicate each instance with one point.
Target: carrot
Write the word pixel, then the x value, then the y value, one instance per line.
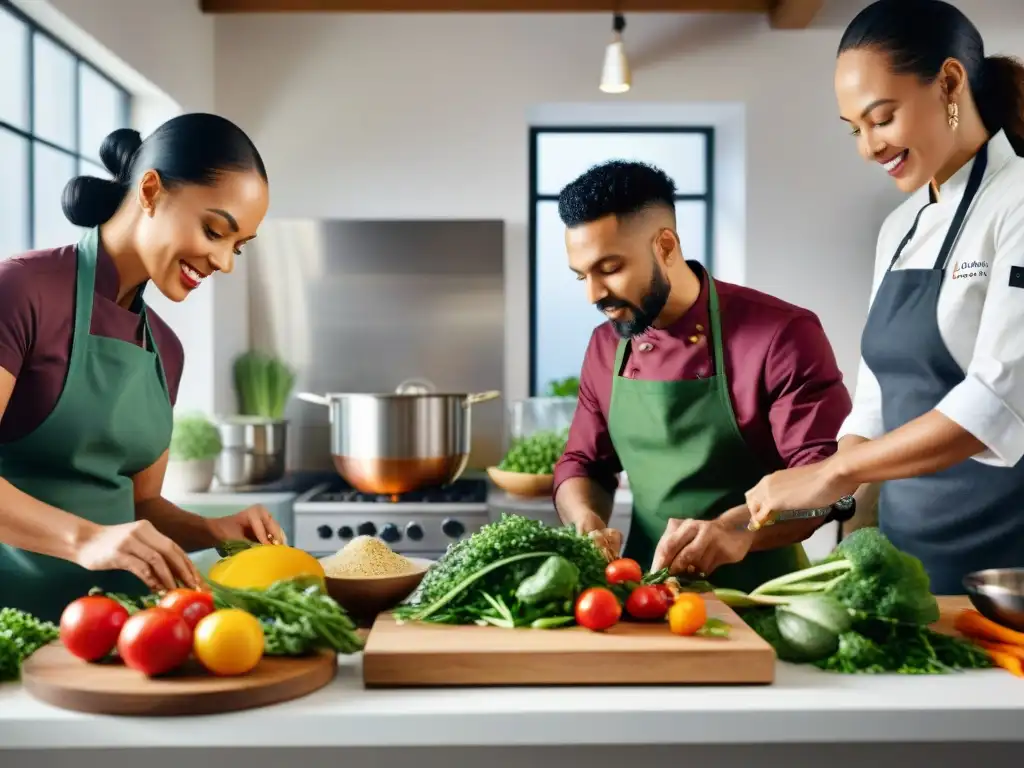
pixel 1015 651
pixel 975 626
pixel 1010 663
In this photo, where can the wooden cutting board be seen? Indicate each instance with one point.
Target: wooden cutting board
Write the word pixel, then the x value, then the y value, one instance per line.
pixel 413 655
pixel 53 675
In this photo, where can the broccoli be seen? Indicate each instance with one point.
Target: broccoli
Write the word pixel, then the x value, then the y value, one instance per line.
pixel 888 598
pixel 868 575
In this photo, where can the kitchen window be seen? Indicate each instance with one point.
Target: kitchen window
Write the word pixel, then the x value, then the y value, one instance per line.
pixel 55 110
pixel 561 319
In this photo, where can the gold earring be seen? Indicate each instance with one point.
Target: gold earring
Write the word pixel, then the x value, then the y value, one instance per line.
pixel 954 115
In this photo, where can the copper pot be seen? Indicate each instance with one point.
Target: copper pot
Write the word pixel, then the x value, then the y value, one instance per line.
pixel 390 444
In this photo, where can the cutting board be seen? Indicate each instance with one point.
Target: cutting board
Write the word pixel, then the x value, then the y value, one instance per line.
pixel 429 655
pixel 53 675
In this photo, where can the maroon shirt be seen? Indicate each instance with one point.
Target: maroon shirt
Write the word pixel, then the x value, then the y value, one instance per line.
pixel 787 390
pixel 37 316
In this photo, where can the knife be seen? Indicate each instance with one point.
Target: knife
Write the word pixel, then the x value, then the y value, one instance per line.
pixel 842 511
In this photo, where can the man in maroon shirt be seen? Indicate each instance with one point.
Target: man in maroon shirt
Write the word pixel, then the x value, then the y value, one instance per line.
pixel 695 387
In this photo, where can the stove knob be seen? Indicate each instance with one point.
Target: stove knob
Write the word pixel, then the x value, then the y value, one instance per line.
pixel 367 529
pixel 414 531
pixel 390 533
pixel 324 532
pixel 345 532
pixel 453 528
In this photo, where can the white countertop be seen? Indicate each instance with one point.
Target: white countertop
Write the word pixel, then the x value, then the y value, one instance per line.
pixel 803 706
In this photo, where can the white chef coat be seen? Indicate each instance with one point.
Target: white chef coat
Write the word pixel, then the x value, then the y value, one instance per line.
pixel 980 311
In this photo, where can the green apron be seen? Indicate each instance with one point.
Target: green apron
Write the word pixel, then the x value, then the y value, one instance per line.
pixel 686 458
pixel 112 420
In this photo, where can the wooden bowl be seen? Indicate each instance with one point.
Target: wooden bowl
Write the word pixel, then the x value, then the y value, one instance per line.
pixel 522 484
pixel 363 597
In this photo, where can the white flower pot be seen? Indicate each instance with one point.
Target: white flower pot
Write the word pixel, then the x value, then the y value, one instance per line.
pixel 191 476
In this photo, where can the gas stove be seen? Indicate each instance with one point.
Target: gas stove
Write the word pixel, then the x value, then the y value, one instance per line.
pixel 421 523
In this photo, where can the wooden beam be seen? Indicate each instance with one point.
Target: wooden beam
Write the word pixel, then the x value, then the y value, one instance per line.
pixel 794 14
pixel 484 6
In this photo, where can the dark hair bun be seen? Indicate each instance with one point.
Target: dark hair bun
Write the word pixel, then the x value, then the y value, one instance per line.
pixel 117 151
pixel 88 201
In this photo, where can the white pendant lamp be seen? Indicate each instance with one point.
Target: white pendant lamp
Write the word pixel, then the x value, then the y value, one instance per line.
pixel 615 77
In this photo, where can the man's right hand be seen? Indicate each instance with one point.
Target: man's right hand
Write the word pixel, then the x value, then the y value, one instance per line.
pixel 609 541
pixel 140 548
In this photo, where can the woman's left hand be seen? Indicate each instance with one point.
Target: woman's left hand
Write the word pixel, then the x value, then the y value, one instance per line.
pixel 253 524
pixel 808 487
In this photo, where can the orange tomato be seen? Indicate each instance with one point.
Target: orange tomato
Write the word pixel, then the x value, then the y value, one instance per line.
pixel 687 614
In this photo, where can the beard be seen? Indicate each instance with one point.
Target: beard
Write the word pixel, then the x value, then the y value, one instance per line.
pixel 643 316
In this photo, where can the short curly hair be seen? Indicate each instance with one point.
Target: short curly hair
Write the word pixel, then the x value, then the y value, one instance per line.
pixel 617 188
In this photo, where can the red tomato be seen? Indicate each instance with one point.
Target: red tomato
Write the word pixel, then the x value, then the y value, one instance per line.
pixel 666 592
pixel 89 626
pixel 597 608
pixel 647 603
pixel 623 569
pixel 191 604
pixel 155 641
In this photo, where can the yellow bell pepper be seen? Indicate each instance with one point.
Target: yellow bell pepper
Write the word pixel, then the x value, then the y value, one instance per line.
pixel 260 566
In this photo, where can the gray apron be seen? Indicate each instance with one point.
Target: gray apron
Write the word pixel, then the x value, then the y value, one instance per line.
pixel 968 517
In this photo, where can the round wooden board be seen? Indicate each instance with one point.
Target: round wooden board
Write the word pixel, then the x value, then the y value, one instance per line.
pixel 53 675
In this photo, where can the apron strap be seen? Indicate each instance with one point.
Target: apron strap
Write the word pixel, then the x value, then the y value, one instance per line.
pixel 973 183
pixel 85 287
pixel 716 328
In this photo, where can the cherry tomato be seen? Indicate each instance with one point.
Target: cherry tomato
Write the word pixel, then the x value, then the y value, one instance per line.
pixel 597 609
pixel 155 641
pixel 623 569
pixel 647 603
pixel 666 592
pixel 89 626
pixel 191 604
pixel 687 614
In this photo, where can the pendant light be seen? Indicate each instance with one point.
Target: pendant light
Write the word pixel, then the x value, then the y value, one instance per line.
pixel 615 77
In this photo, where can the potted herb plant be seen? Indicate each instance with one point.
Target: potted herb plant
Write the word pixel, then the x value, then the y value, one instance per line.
pixel 195 445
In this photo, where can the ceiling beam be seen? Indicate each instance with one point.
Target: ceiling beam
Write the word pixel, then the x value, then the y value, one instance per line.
pixel 794 14
pixel 491 6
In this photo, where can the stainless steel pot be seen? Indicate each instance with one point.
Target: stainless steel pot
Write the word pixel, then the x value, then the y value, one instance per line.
pixel 395 443
pixel 253 451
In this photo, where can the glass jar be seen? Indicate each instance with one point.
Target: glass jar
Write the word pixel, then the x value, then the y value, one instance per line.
pixel 539 414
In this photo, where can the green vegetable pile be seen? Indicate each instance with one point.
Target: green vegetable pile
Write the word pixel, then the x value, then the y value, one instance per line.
pixel 536 454
pixel 21 635
pixel 194 437
pixel 515 572
pixel 865 609
pixel 263 385
pixel 569 387
pixel 296 614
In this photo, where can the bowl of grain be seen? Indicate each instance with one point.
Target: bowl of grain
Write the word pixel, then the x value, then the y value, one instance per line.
pixel 366 578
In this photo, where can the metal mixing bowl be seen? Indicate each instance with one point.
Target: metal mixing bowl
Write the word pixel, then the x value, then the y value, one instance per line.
pixel 998 594
pixel 253 451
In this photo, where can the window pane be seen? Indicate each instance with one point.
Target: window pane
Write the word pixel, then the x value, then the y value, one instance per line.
pixel 101 110
pixel 52 171
pixel 691 224
pixel 564 317
pixel 13 194
pixel 13 71
pixel 54 96
pixel 561 157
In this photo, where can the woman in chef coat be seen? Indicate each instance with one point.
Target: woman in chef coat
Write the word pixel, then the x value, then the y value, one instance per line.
pixel 938 413
pixel 89 374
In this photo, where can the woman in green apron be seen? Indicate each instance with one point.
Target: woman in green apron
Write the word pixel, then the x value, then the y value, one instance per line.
pixel 88 372
pixel 696 388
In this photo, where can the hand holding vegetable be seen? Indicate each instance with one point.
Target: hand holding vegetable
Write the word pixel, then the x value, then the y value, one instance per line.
pixel 140 548
pixel 254 523
pixel 608 542
pixel 700 546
